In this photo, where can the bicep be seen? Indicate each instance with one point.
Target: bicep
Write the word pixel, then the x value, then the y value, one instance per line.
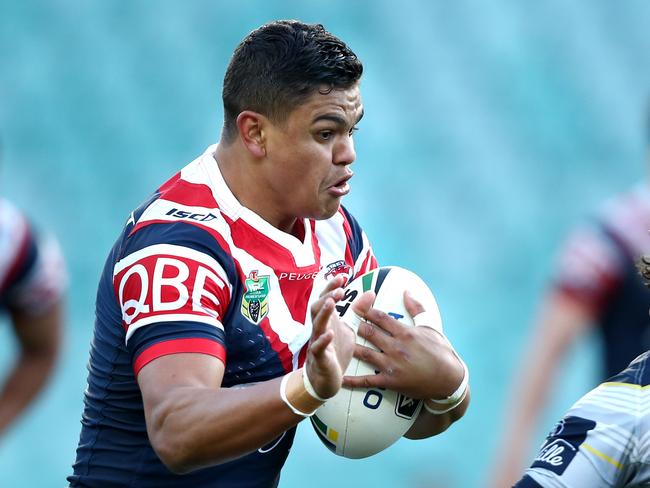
pixel 178 395
pixel 159 378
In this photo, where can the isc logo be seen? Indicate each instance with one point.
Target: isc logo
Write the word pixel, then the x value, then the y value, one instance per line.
pixel 184 214
pixel 160 286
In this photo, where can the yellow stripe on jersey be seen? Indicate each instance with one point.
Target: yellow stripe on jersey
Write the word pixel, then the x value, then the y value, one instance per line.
pixel 603 456
pixel 627 385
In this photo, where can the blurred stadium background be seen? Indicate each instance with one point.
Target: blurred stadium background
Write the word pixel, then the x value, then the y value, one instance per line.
pixel 490 128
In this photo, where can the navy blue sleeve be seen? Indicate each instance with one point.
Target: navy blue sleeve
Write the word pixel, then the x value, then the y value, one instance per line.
pixel 173 284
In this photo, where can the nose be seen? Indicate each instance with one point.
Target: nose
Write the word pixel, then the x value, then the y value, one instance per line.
pixel 344 152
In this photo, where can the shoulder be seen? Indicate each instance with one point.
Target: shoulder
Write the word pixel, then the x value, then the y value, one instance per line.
pixel 171 273
pixel 18 250
pixel 636 374
pixel 590 258
pixel 176 242
pixel 7 208
pixel 190 248
pixel 625 219
pixel 180 218
pixel 13 223
pixel 32 270
pixel 620 220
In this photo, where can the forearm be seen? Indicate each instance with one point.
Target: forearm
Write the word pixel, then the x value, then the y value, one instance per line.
pixel 198 427
pixel 449 372
pixel 38 337
pixel 428 425
pixel 24 382
pixel 443 409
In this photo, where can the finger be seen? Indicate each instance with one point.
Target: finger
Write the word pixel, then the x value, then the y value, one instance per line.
pixel 421 316
pixel 389 324
pixel 413 307
pixel 375 335
pixel 363 304
pixel 336 282
pixel 360 308
pixel 336 295
pixel 322 318
pixel 366 381
pixel 319 345
pixel 370 356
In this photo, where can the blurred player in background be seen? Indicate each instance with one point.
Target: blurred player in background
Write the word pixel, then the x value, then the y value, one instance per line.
pixel 603 440
pixel 32 283
pixel 215 329
pixel 596 285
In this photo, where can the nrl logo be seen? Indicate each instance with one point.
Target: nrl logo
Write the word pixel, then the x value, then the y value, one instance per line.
pixel 255 303
pixel 336 268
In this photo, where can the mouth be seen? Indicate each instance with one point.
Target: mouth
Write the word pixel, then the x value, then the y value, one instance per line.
pixel 341 187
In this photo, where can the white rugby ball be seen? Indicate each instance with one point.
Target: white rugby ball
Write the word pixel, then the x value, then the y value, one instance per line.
pixel 360 422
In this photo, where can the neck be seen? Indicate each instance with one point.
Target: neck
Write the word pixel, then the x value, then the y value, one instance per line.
pixel 241 173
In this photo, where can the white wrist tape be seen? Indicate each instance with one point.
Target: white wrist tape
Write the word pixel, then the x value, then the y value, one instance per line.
pixel 428 319
pixel 453 400
pixel 309 387
pixel 436 411
pixel 283 395
pixel 423 319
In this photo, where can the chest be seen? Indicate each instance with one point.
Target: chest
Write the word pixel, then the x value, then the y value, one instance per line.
pixel 268 321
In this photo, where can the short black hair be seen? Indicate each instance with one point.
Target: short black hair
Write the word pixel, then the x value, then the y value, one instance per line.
pixel 643 267
pixel 281 64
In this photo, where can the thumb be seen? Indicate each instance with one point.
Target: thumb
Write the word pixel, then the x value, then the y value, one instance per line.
pixel 360 308
pixel 363 304
pixel 412 305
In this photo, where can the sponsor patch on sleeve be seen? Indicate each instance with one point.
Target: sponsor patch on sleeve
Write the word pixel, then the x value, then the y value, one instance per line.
pixel 165 283
pixel 562 444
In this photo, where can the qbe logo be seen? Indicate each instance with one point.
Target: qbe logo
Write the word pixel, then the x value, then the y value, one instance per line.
pixel 162 286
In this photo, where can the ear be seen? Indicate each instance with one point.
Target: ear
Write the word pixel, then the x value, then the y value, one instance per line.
pixel 251 131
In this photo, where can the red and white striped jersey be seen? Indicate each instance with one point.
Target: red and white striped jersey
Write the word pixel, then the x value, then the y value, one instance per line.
pixel 32 272
pixel 239 266
pixel 597 269
pixel 195 271
pixel 591 264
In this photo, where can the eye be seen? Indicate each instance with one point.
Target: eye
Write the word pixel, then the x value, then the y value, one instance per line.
pixel 353 130
pixel 326 134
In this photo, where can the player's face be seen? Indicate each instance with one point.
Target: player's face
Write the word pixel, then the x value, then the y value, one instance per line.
pixel 311 154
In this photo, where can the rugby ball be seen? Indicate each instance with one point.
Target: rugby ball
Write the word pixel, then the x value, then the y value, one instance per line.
pixel 360 422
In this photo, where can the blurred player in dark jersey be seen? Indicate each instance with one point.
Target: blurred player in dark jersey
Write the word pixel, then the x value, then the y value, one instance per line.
pixel 32 282
pixel 596 285
pixel 215 329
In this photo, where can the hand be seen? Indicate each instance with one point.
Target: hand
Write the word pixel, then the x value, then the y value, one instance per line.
pixel 416 361
pixel 332 342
